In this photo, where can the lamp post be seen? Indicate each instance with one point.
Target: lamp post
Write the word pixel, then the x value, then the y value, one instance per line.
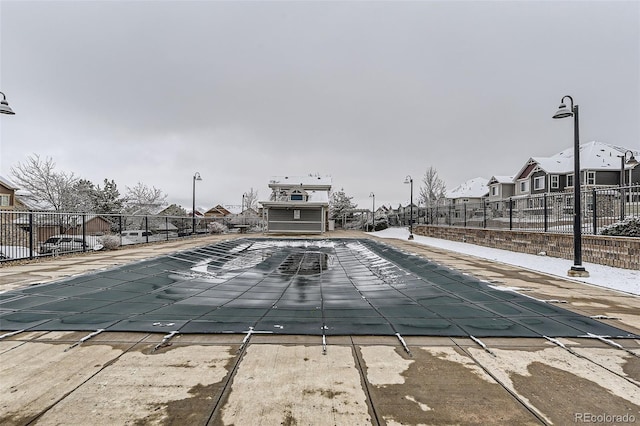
pixel 4 106
pixel 409 180
pixel 623 160
pixel 193 211
pixel 242 208
pixel 373 211
pixel 632 162
pixel 577 270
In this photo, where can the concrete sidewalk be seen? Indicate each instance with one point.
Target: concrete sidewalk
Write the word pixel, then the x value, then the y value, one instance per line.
pixel 131 378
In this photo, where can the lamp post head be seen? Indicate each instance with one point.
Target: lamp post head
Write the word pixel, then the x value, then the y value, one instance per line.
pixel 197 176
pixel 632 160
pixel 372 195
pixel 563 112
pixel 4 106
pixel 408 179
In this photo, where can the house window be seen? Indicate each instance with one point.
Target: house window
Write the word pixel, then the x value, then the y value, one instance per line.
pixel 591 178
pixel 570 180
pixel 555 181
pixel 538 183
pixel 296 195
pixel 494 190
pixel 4 200
pixel 524 186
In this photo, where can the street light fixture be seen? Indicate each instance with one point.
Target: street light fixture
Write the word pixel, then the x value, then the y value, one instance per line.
pixel 193 211
pixel 409 180
pixel 577 270
pixel 623 160
pixel 373 211
pixel 4 106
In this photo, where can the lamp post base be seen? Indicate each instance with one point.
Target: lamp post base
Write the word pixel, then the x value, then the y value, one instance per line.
pixel 578 271
pixel 411 236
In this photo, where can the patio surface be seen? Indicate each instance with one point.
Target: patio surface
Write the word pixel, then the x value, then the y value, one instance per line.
pixel 272 368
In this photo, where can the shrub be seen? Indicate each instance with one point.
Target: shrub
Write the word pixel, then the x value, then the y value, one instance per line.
pixel 217 228
pixel 629 227
pixel 380 225
pixel 110 242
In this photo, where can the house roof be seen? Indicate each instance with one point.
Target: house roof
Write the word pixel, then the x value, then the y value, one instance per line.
pixel 501 179
pixel 7 183
pixel 594 155
pixel 219 210
pixel 304 181
pixel 473 188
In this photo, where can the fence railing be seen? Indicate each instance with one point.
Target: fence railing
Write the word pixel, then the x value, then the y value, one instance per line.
pixel 28 234
pixel 551 212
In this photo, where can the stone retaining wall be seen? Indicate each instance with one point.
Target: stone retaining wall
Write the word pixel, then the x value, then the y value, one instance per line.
pixel 621 252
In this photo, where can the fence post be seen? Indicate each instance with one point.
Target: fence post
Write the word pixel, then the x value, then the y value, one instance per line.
pixel 623 201
pixel 464 211
pixel 510 214
pixel 30 235
pixel 146 227
pixel 546 212
pixel 484 213
pixel 595 212
pixel 84 232
pixel 166 226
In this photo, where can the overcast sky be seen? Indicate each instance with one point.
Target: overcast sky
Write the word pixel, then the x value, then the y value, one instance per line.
pixel 366 92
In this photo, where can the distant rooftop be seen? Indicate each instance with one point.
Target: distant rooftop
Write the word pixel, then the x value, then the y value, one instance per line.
pixel 309 180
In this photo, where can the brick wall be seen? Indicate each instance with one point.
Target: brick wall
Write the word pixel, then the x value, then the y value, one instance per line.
pixel 621 252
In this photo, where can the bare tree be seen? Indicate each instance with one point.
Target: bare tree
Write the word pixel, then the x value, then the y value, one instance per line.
pixel 251 199
pixel 144 200
pixel 433 189
pixel 53 189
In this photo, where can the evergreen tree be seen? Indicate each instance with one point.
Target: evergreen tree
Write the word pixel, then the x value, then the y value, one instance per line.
pixel 107 200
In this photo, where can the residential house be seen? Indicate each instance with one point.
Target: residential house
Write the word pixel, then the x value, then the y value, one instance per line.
pixel 7 194
pixel 217 212
pixel 600 166
pixel 472 192
pixel 501 187
pixel 298 204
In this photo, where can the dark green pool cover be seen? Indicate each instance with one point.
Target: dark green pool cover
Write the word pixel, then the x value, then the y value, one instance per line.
pixel 311 287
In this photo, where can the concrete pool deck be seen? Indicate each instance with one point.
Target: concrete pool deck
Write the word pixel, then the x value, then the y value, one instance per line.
pixel 131 378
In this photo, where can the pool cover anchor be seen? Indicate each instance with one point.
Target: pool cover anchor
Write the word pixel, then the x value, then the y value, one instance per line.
pixel 482 345
pixel 563 346
pixel 85 338
pixel 13 333
pixel 165 340
pixel 248 336
pixel 611 343
pixel 404 344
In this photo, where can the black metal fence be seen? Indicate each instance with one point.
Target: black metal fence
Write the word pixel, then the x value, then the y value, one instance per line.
pixel 552 212
pixel 27 234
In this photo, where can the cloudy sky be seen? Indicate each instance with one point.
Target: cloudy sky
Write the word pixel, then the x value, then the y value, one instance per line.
pixel 366 92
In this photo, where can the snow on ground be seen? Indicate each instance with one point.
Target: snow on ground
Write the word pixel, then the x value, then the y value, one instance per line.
pixel 625 280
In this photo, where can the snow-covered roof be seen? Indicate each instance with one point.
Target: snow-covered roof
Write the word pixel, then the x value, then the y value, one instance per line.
pixel 594 155
pixel 473 188
pixel 7 183
pixel 301 180
pixel 318 196
pixel 501 179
